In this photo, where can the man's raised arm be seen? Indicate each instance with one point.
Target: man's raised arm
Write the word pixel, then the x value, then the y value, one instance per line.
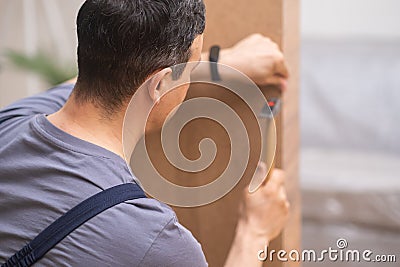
pixel 47 103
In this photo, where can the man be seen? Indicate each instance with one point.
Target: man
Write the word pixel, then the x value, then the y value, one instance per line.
pixel 65 145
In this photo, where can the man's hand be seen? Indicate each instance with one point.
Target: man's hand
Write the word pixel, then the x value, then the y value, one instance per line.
pixel 265 211
pixel 263 215
pixel 259 58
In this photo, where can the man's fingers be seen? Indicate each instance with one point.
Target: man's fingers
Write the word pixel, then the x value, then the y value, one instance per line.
pixel 276 180
pixel 278 81
pixel 274 80
pixel 283 197
pixel 281 68
pixel 278 177
pixel 282 193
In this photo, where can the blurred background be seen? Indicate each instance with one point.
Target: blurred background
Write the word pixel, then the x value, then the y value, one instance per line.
pixel 350 107
pixel 350 124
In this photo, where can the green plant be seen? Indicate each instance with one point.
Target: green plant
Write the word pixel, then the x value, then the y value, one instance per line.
pixel 43 65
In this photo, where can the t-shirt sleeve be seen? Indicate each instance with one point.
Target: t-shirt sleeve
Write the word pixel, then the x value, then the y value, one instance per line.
pixel 174 246
pixel 47 103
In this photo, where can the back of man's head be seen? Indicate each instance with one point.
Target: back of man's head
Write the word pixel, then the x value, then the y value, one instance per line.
pixel 122 42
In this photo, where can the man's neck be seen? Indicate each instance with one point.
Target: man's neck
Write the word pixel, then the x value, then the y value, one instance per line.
pixel 84 121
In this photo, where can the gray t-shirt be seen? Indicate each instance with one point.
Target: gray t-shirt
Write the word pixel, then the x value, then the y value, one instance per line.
pixel 44 172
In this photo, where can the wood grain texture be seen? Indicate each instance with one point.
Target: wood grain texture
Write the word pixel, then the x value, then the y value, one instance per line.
pixel 228 22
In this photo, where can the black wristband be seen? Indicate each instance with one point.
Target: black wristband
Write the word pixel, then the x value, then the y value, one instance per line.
pixel 214 57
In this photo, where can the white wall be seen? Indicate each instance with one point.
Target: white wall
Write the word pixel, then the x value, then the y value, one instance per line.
pixel 350 19
pixel 25 26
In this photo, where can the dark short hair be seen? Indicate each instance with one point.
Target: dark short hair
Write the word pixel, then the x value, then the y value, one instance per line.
pixel 122 42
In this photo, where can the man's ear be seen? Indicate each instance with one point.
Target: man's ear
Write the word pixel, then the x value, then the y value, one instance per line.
pixel 156 82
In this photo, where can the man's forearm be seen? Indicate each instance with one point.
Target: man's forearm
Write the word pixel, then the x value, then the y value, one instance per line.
pixel 245 248
pixel 72 81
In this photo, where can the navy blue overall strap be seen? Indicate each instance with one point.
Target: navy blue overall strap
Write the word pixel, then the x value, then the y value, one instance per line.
pixel 71 220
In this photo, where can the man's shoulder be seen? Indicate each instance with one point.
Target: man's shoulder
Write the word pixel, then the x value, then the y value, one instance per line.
pixel 15 115
pixel 174 244
pixel 143 232
pixel 168 242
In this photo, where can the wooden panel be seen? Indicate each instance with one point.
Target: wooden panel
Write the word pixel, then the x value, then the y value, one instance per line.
pixel 230 21
pixel 214 224
pixel 291 238
pixel 227 22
